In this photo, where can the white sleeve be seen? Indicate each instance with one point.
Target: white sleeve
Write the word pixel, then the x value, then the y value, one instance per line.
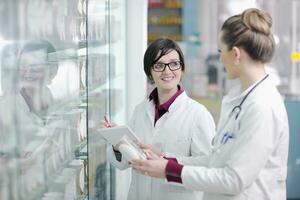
pixel 213 180
pixel 201 143
pixel 250 152
pixel 112 159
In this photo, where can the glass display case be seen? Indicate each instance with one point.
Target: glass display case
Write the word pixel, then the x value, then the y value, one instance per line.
pixel 62 69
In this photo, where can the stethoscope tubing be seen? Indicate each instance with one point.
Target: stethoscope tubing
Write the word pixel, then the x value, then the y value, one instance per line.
pixel 237 109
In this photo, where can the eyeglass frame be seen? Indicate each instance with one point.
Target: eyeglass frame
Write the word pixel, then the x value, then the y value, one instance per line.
pixel 168 64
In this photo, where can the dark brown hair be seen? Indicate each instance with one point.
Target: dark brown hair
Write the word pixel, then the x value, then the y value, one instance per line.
pixel 156 50
pixel 251 31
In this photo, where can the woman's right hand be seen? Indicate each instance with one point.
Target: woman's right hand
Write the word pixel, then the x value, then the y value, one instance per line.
pixel 106 124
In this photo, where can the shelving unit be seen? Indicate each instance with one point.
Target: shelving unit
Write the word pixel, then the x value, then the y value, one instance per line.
pixel 165 19
pixel 45 153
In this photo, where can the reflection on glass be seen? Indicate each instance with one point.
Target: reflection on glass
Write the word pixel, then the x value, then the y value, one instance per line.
pixel 35 73
pixel 46 89
pixel 38 134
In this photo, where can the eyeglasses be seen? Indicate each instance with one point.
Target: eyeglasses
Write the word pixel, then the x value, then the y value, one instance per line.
pixel 160 67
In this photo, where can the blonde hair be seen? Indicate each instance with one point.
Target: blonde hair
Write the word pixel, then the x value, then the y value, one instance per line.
pixel 251 31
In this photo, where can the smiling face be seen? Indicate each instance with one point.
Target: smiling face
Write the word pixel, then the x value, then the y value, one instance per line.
pixel 31 69
pixel 167 80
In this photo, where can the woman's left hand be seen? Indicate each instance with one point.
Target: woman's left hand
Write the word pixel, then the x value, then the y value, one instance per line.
pixel 150 149
pixel 153 168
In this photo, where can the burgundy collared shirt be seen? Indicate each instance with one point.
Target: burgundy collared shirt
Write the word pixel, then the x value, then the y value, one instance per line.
pixel 160 110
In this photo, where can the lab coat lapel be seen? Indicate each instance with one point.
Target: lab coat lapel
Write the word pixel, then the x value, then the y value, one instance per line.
pixel 150 111
pixel 179 101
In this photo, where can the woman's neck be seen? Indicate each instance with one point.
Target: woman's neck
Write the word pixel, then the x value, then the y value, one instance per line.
pixel 252 74
pixel 37 100
pixel 165 95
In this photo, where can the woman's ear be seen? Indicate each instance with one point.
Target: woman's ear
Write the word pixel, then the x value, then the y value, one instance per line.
pixel 237 55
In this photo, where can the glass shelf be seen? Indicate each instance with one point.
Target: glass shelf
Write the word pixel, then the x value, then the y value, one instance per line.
pixel 62 67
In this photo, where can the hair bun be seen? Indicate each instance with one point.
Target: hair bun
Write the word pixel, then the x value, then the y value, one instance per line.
pixel 257 20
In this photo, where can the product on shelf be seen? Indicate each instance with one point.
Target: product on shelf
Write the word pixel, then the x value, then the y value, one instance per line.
pixel 165 20
pixel 78 165
pixel 81 127
pixel 173 3
pixel 155 3
pixel 81 6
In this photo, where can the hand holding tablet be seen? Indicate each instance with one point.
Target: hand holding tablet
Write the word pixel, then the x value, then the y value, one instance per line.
pixel 123 137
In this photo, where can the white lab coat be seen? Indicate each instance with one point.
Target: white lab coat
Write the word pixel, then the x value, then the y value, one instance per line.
pixel 186 130
pixel 14 110
pixel 252 165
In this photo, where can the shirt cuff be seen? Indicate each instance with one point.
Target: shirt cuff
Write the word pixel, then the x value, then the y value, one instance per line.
pixel 173 171
pixel 118 155
pixel 169 158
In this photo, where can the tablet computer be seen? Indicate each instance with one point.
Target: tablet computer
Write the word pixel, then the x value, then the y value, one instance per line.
pixel 114 135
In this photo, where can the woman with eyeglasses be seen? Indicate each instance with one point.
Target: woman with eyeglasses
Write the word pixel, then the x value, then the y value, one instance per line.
pixel 169 121
pixel 250 150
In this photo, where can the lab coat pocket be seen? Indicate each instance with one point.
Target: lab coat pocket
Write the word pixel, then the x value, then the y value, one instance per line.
pixel 180 192
pixel 224 148
pixel 221 153
pixel 179 147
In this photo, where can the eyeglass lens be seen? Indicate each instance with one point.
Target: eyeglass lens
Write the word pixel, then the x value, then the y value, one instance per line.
pixel 159 67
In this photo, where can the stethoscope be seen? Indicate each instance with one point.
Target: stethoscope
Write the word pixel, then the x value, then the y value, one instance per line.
pixel 236 110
